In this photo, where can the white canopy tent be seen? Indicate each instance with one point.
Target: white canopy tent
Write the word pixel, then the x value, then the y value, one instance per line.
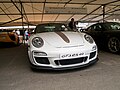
pixel 32 12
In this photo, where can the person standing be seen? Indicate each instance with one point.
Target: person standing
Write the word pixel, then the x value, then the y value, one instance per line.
pixel 26 35
pixel 72 24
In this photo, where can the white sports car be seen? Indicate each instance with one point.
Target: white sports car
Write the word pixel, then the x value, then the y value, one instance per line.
pixel 55 46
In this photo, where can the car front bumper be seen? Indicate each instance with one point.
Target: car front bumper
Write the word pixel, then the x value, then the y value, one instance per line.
pixel 63 68
pixel 64 60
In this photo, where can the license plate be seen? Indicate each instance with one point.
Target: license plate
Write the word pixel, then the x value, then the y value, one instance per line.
pixel 73 55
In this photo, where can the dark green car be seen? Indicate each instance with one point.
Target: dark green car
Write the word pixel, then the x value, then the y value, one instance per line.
pixel 106 35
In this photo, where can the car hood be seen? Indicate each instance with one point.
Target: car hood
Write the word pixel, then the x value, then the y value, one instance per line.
pixel 62 39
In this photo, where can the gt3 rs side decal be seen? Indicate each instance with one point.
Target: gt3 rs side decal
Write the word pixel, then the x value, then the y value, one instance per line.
pixel 63 36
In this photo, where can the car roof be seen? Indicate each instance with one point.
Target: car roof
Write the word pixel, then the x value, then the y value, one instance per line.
pixel 50 23
pixel 105 22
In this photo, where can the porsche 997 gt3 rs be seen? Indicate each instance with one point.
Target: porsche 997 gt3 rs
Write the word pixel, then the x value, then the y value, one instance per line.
pixel 55 46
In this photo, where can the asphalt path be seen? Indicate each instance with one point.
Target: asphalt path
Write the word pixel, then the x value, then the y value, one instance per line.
pixel 15 73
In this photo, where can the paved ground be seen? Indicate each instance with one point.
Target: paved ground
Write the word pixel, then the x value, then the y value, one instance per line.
pixel 15 73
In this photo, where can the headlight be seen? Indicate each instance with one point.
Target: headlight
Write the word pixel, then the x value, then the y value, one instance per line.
pixel 88 38
pixel 94 48
pixel 37 42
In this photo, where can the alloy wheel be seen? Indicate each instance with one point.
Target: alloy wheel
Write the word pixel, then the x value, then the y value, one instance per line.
pixel 114 45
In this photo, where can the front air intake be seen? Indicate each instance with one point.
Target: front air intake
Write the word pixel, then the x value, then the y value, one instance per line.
pixel 42 60
pixel 71 61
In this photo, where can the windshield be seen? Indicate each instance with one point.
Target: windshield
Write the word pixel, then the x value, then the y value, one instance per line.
pixel 112 26
pixel 5 30
pixel 51 27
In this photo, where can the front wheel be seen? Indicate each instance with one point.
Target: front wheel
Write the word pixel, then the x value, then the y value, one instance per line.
pixel 114 45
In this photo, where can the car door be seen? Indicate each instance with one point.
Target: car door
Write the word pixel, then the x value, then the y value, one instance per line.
pixel 96 31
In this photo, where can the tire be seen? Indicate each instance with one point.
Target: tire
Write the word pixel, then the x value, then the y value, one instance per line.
pixel 114 45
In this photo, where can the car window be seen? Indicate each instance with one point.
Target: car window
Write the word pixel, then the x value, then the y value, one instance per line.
pixel 112 26
pixel 90 28
pixel 115 27
pixel 95 27
pixel 3 30
pixel 51 27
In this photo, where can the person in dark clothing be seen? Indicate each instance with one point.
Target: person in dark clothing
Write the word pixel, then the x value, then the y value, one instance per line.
pixel 72 24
